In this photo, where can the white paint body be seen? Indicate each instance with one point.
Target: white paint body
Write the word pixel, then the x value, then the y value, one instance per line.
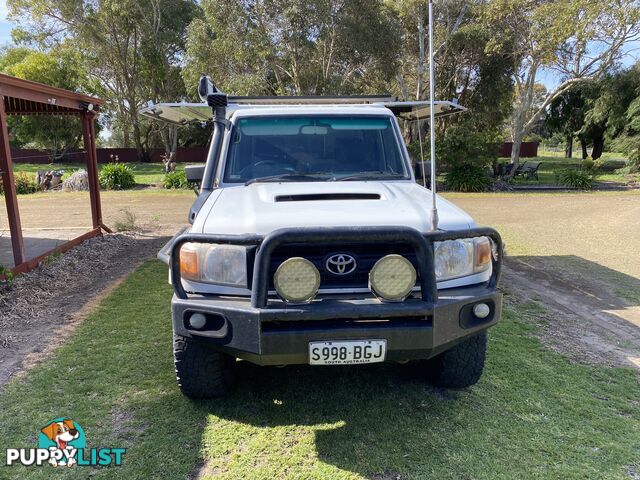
pixel 253 209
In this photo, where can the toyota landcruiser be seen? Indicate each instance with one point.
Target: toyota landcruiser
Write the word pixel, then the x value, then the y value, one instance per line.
pixel 312 243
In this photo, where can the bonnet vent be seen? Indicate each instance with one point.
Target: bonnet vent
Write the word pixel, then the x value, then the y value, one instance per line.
pixel 310 197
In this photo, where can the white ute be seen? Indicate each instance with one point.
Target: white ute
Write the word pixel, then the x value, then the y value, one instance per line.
pixel 311 242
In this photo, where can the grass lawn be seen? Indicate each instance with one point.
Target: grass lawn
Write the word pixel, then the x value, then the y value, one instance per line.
pixel 145 173
pixel 533 415
pixel 554 162
pixel 577 154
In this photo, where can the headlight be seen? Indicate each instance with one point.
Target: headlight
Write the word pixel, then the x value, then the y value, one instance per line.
pixel 392 278
pixel 462 257
pixel 297 280
pixel 213 263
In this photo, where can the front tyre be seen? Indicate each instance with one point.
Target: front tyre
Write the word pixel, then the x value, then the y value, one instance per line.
pixel 201 372
pixel 462 365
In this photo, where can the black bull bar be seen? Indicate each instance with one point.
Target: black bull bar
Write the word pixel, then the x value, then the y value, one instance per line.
pixel 422 244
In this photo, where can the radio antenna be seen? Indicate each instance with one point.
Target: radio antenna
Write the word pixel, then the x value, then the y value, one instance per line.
pixel 432 118
pixel 424 174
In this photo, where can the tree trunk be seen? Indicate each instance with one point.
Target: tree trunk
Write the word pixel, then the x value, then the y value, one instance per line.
pixel 515 153
pixel 598 147
pixel 568 149
pixel 169 136
pixel 143 155
pixel 585 152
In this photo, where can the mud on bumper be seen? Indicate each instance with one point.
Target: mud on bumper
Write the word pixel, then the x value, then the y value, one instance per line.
pixel 267 331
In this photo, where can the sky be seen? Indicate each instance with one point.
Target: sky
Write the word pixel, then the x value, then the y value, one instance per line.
pixel 5 26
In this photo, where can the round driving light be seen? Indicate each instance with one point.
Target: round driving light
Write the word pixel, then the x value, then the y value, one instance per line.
pixel 197 321
pixel 392 278
pixel 297 280
pixel 481 310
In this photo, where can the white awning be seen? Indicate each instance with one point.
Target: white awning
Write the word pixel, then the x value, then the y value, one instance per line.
pixel 183 112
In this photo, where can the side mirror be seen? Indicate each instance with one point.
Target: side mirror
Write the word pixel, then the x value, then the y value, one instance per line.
pixel 194 173
pixel 420 168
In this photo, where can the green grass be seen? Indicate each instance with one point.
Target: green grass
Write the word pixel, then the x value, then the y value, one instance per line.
pixel 554 162
pixel 145 173
pixel 533 415
pixel 577 154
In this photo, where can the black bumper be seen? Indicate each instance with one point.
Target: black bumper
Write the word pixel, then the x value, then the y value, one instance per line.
pixel 281 334
pixel 267 331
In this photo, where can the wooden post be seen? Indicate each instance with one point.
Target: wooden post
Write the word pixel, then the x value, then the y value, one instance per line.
pixel 10 197
pixel 88 134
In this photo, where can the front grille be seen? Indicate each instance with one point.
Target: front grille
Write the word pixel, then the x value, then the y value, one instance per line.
pixel 366 256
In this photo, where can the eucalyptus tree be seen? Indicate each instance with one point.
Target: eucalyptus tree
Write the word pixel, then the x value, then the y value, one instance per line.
pixel 579 40
pixel 134 48
pixel 466 70
pixel 294 46
pixel 615 114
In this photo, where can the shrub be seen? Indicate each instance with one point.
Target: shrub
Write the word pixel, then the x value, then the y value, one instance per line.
pixel 127 222
pixel 633 165
pixel 116 176
pixel 6 275
pixel 24 182
pixel 177 179
pixel 468 177
pixel 608 166
pixel 576 179
pixel 589 164
pixel 460 145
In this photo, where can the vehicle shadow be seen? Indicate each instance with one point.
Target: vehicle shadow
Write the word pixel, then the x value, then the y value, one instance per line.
pixel 377 420
pixel 385 421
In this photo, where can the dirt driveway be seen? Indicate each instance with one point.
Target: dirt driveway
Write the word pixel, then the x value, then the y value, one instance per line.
pixel 602 227
pixel 579 255
pixel 39 310
pixel 71 209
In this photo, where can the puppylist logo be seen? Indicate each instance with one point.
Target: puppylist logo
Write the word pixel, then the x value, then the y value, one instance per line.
pixel 62 442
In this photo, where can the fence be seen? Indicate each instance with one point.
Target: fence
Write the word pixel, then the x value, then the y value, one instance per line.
pixel 527 149
pixel 183 155
pixel 105 155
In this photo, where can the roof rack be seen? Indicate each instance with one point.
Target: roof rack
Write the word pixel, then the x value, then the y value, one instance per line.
pixel 311 99
pixel 183 112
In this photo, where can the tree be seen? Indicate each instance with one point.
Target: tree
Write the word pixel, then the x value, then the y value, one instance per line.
pixel 578 39
pixel 480 80
pixel 134 49
pixel 64 69
pixel 566 116
pixel 294 47
pixel 616 113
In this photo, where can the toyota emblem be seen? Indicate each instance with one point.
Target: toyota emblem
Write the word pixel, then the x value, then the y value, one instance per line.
pixel 341 264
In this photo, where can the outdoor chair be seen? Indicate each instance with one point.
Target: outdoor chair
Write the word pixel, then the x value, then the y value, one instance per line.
pixel 506 170
pixel 529 170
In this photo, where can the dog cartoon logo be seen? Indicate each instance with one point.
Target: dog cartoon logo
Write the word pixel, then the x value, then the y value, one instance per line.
pixel 63 437
pixel 61 442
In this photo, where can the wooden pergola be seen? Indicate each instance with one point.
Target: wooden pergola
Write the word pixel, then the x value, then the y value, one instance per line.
pixel 24 97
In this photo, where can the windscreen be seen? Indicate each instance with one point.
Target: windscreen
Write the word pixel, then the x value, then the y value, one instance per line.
pixel 317 147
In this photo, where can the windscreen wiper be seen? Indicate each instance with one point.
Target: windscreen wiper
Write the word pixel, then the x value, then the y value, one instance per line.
pixel 290 177
pixel 379 175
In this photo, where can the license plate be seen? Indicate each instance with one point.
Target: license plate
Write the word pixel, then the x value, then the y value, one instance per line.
pixel 347 352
